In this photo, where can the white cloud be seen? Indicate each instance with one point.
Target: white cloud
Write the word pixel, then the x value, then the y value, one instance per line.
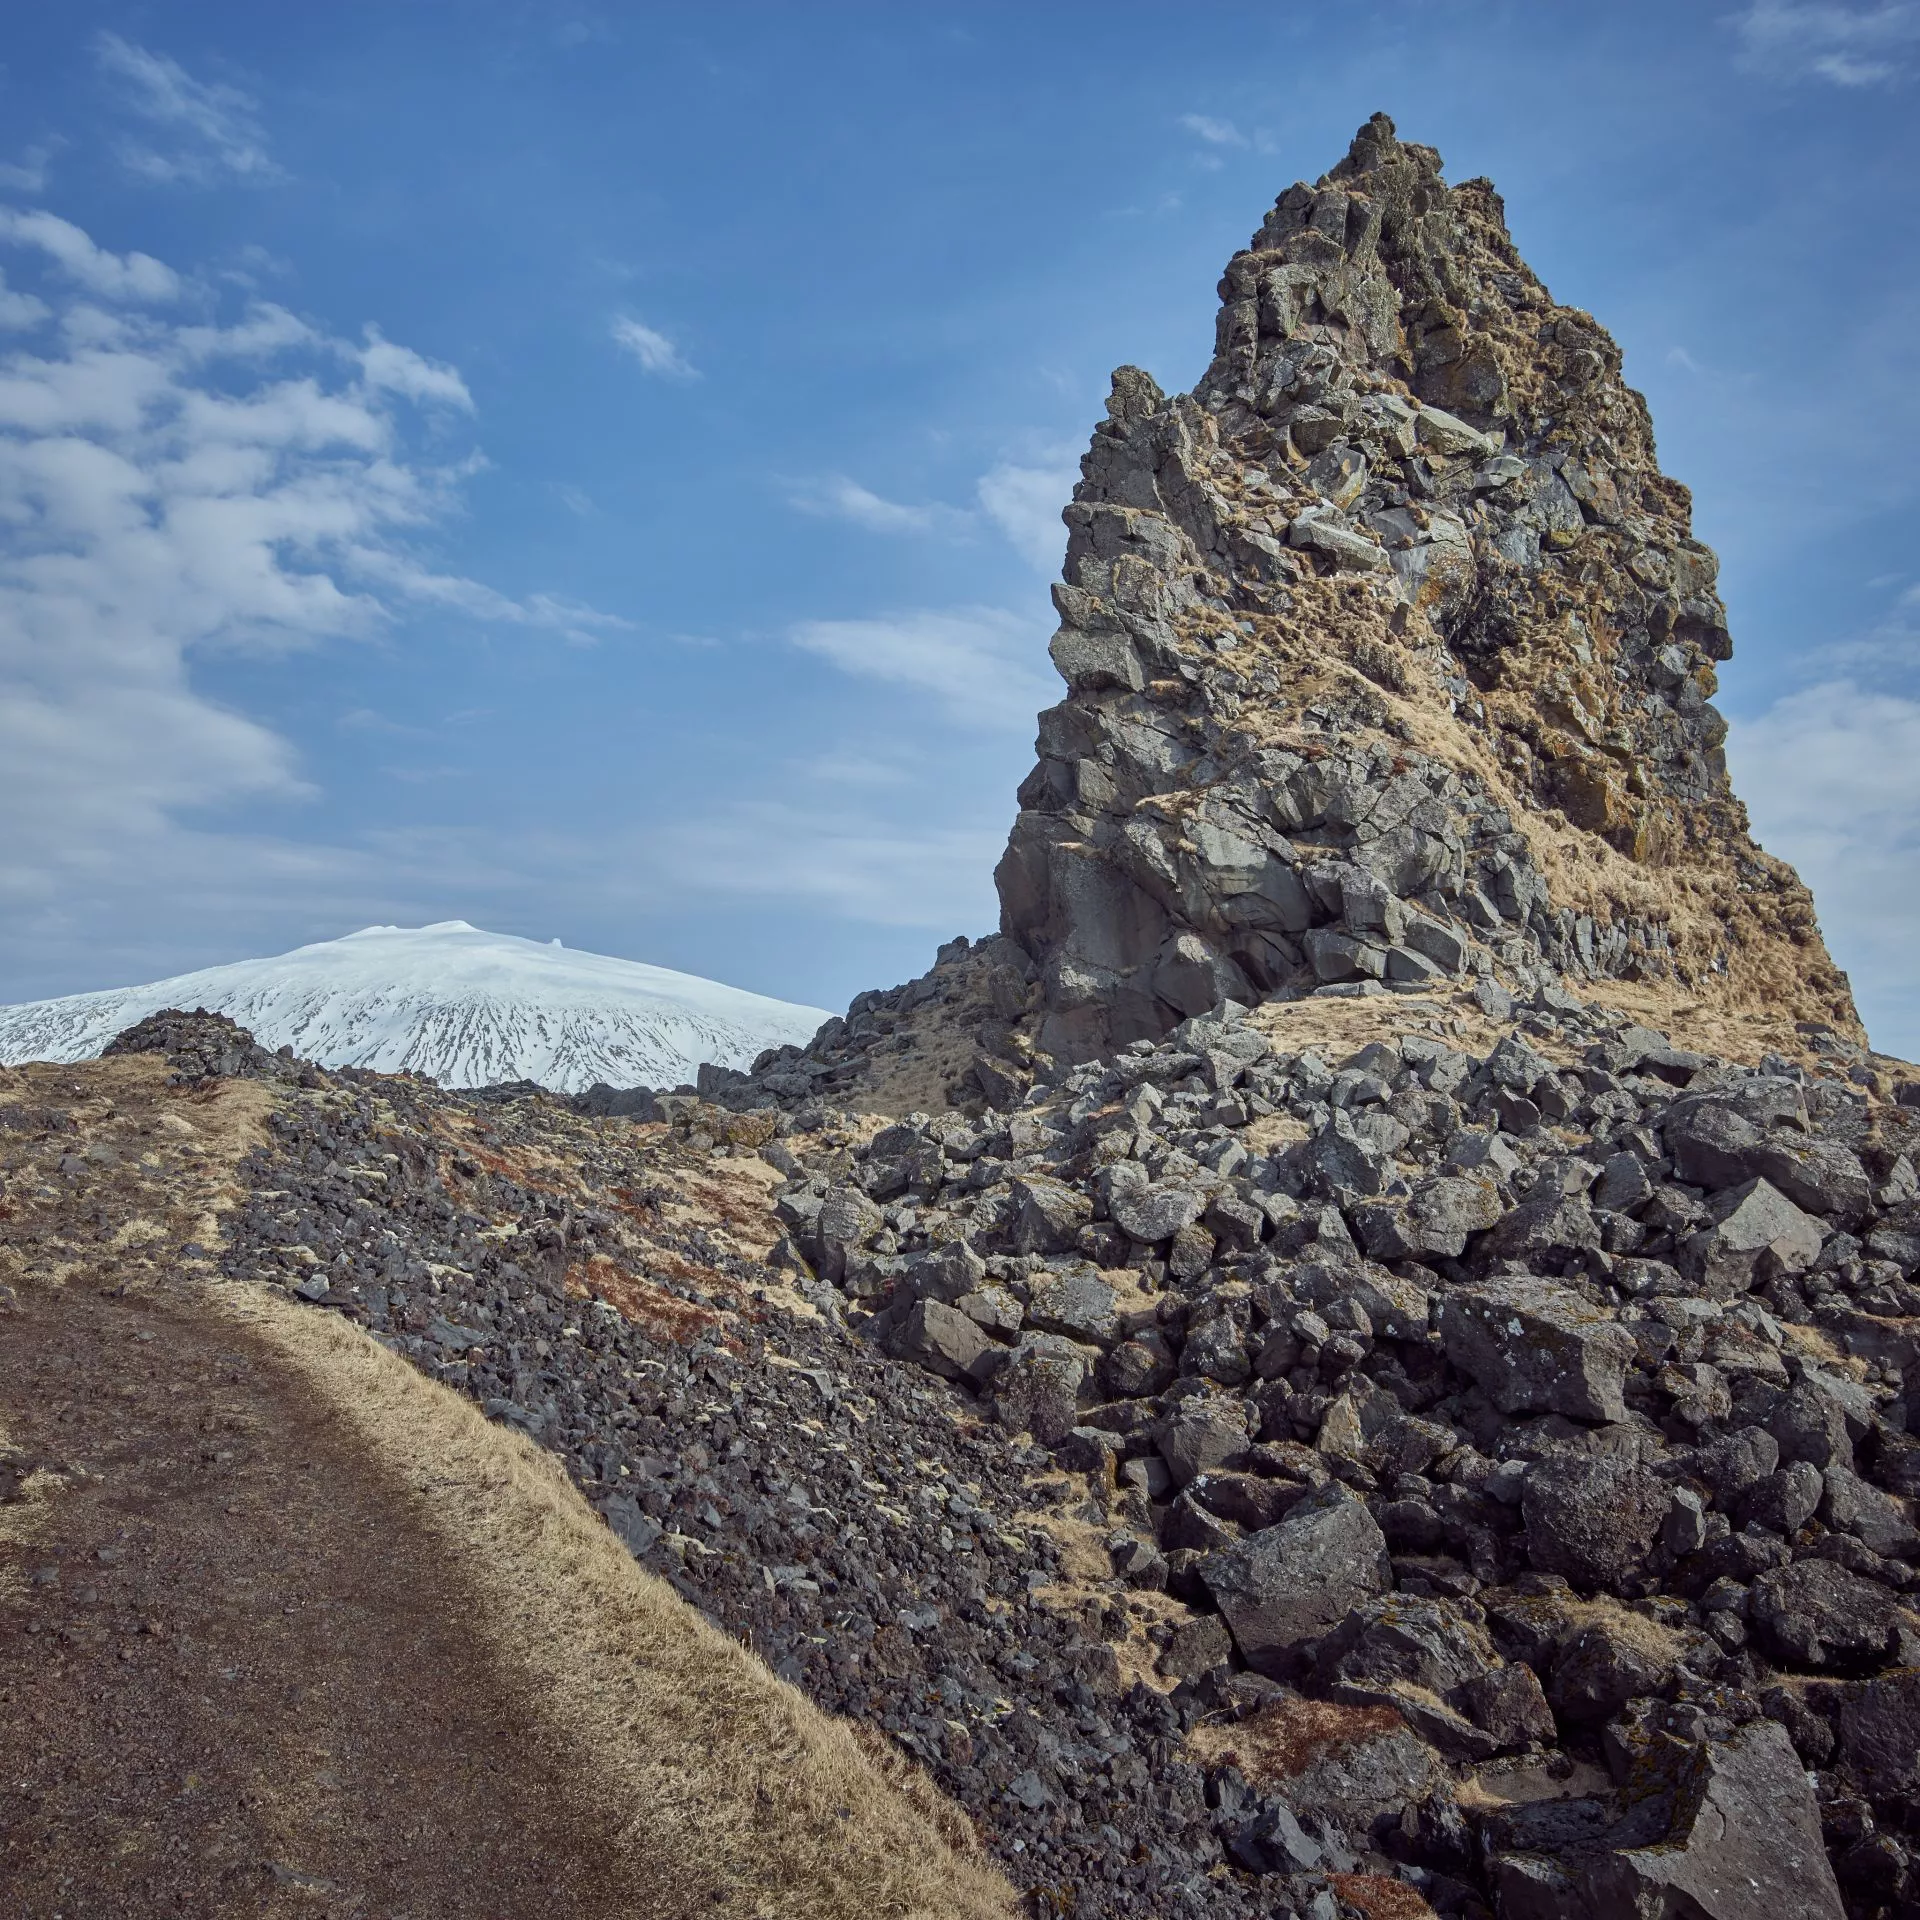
pixel 167 491
pixel 1215 132
pixel 28 174
pixel 19 310
pixel 833 496
pixel 113 276
pixel 986 667
pixel 857 863
pixel 1025 503
pixel 215 128
pixel 1831 776
pixel 393 369
pixel 1847 46
pixel 655 352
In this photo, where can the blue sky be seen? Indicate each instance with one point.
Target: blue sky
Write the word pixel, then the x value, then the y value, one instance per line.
pixel 596 474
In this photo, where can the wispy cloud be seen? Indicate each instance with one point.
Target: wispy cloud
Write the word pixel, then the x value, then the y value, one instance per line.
pixel 214 130
pixel 655 352
pixel 19 310
pixel 1831 775
pixel 170 491
pixel 986 667
pixel 387 368
pixel 1215 132
pixel 113 276
pixel 1846 46
pixel 833 496
pixel 1025 501
pixel 853 862
pixel 28 174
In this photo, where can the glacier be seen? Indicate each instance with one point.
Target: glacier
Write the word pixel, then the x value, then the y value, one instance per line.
pixel 468 1007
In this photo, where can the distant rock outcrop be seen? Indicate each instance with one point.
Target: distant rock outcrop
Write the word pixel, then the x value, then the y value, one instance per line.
pixel 1390 655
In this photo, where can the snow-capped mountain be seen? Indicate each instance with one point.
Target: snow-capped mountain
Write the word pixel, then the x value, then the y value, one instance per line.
pixel 469 1008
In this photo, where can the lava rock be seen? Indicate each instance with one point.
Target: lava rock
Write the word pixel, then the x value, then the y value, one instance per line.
pixel 1592 1517
pixel 1538 1348
pixel 1291 1583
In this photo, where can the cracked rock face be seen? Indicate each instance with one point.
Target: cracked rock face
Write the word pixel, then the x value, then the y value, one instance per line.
pixel 1389 654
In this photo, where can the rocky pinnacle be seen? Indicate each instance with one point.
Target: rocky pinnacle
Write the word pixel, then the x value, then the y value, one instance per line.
pixel 1389 654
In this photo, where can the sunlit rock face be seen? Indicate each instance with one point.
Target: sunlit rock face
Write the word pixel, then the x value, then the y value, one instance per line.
pixel 1389 655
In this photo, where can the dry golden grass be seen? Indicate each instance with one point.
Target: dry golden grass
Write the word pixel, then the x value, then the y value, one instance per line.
pixel 1281 1741
pixel 738 1794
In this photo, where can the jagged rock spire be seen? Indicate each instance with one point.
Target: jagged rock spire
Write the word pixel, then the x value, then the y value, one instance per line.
pixel 1389 654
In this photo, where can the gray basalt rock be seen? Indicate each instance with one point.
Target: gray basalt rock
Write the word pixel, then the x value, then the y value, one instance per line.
pixel 1592 1517
pixel 1440 1218
pixel 1150 1214
pixel 1038 1389
pixel 1048 1215
pixel 1075 1302
pixel 1724 1830
pixel 847 1220
pixel 1816 1614
pixel 1406 461
pixel 1290 1584
pixel 1199 1434
pixel 1878 1724
pixel 1756 1232
pixel 940 1338
pixel 1538 1348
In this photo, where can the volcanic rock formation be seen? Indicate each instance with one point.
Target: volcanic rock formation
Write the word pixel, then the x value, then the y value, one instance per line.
pixel 1390 655
pixel 1347 1454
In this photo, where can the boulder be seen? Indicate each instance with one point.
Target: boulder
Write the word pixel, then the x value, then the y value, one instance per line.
pixel 1817 1614
pixel 946 1272
pixel 1340 1163
pixel 1538 1348
pixel 1821 1176
pixel 1591 1517
pixel 1438 1219
pixel 1201 1433
pixel 1197 1646
pixel 1819 1419
pixel 1339 1764
pixel 1292 1583
pixel 847 1219
pixel 1716 1830
pixel 1037 1391
pixel 1784 1500
pixel 1150 1214
pixel 1878 1728
pixel 1509 1705
pixel 1075 1302
pixel 1757 1231
pixel 1624 1185
pixel 1548 1221
pixel 940 1338
pixel 1048 1215
pixel 1736 1461
pixel 1877 1520
pixel 1608 1662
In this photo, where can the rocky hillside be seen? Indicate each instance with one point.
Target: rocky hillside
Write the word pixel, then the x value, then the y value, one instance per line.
pixel 1361 1358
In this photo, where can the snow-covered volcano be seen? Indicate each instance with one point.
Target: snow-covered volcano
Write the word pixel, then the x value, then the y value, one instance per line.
pixel 469 1008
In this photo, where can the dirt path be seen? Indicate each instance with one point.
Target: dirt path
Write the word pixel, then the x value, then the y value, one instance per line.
pixel 242 1679
pixel 287 1629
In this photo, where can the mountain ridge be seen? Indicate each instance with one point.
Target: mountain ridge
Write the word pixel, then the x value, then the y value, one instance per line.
pixel 449 1000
